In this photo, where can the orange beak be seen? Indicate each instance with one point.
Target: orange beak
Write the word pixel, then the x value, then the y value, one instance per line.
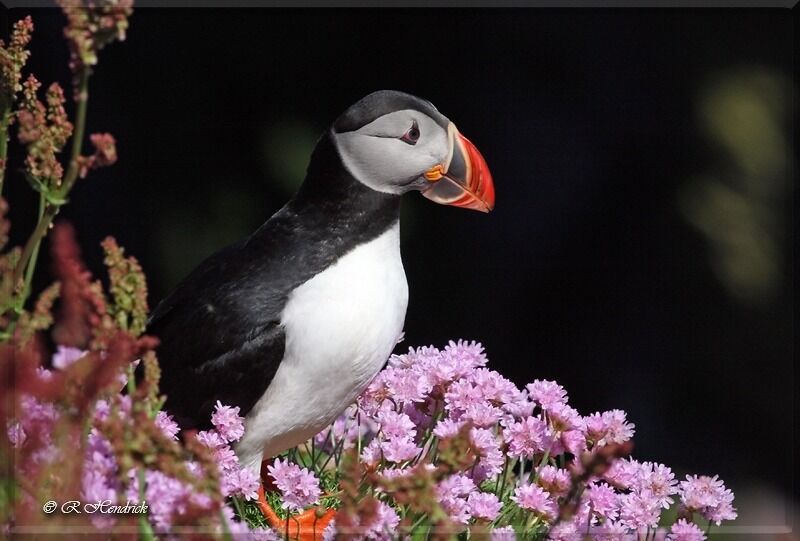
pixel 464 180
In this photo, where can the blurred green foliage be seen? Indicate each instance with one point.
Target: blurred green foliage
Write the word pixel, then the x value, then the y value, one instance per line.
pixel 739 203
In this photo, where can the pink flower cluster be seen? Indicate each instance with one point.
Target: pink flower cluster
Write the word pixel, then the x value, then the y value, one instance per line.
pixel 530 447
pixel 428 394
pixel 166 496
pixel 299 487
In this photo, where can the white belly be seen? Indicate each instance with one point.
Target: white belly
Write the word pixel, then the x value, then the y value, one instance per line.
pixel 340 328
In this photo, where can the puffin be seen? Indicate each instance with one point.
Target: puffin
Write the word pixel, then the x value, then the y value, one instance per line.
pixel 291 323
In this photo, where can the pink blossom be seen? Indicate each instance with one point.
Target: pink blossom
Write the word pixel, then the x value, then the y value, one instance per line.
pixel 453 494
pixel 399 449
pixel 623 473
pixel 612 531
pixel 534 498
pixel 547 393
pixel 407 386
pixel 658 480
pixel 16 434
pixel 371 454
pixel 168 426
pixel 461 394
pixel 211 438
pixel 526 438
pixel 490 458
pixel 483 505
pixel 685 531
pixel 638 511
pixel 564 418
pixel 448 428
pixel 617 428
pixel 384 523
pixel 469 354
pixel 564 531
pixel 554 480
pixel 65 356
pixel 396 425
pixel 299 487
pixel 504 533
pixel 243 482
pixel 709 497
pixel 228 422
pixel 495 388
pixel 483 415
pixel 603 501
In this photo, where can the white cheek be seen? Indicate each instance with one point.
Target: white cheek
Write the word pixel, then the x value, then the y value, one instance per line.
pixel 383 163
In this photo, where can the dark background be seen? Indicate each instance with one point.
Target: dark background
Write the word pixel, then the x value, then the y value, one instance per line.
pixel 640 250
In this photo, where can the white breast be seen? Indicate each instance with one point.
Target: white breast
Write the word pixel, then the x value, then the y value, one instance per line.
pixel 340 328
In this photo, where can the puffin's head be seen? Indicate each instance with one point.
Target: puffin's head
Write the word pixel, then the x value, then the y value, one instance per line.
pixel 394 142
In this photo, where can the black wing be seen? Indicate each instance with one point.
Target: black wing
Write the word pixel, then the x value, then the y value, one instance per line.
pixel 220 336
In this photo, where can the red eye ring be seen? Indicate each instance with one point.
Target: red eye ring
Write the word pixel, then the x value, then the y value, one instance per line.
pixel 412 135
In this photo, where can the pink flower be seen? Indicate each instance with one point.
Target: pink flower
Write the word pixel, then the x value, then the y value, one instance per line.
pixel 448 428
pixel 495 388
pixel 298 487
pixel 658 480
pixel 490 458
pixel 483 415
pixel 211 438
pixel 623 473
pixel 526 438
pixel 638 511
pixel 460 396
pixel 399 449
pixel 384 524
pixel 547 393
pixel 453 494
pixel 611 531
pixel 244 482
pixel 16 434
pixel 371 454
pixel 469 354
pixel 573 441
pixel 504 533
pixel 407 386
pixel 685 531
pixel 709 497
pixel 483 505
pixel 533 498
pixel 348 427
pixel 65 356
pixel 168 426
pixel 554 480
pixel 564 531
pixel 564 418
pixel 617 429
pixel 227 421
pixel 396 425
pixel 603 501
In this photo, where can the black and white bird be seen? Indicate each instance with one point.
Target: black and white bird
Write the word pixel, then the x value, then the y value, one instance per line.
pixel 293 322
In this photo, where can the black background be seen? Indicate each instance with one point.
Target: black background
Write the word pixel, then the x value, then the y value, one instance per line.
pixel 587 271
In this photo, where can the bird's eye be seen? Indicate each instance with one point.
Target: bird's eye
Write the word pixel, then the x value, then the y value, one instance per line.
pixel 412 135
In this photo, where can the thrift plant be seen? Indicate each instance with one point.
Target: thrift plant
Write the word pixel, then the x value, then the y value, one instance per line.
pixel 437 446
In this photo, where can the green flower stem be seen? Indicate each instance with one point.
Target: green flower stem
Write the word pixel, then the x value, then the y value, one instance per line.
pixel 34 255
pixel 535 473
pixel 145 530
pixel 27 261
pixel 5 119
pixel 502 488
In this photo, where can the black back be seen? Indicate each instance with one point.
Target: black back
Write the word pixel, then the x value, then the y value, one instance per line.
pixel 220 331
